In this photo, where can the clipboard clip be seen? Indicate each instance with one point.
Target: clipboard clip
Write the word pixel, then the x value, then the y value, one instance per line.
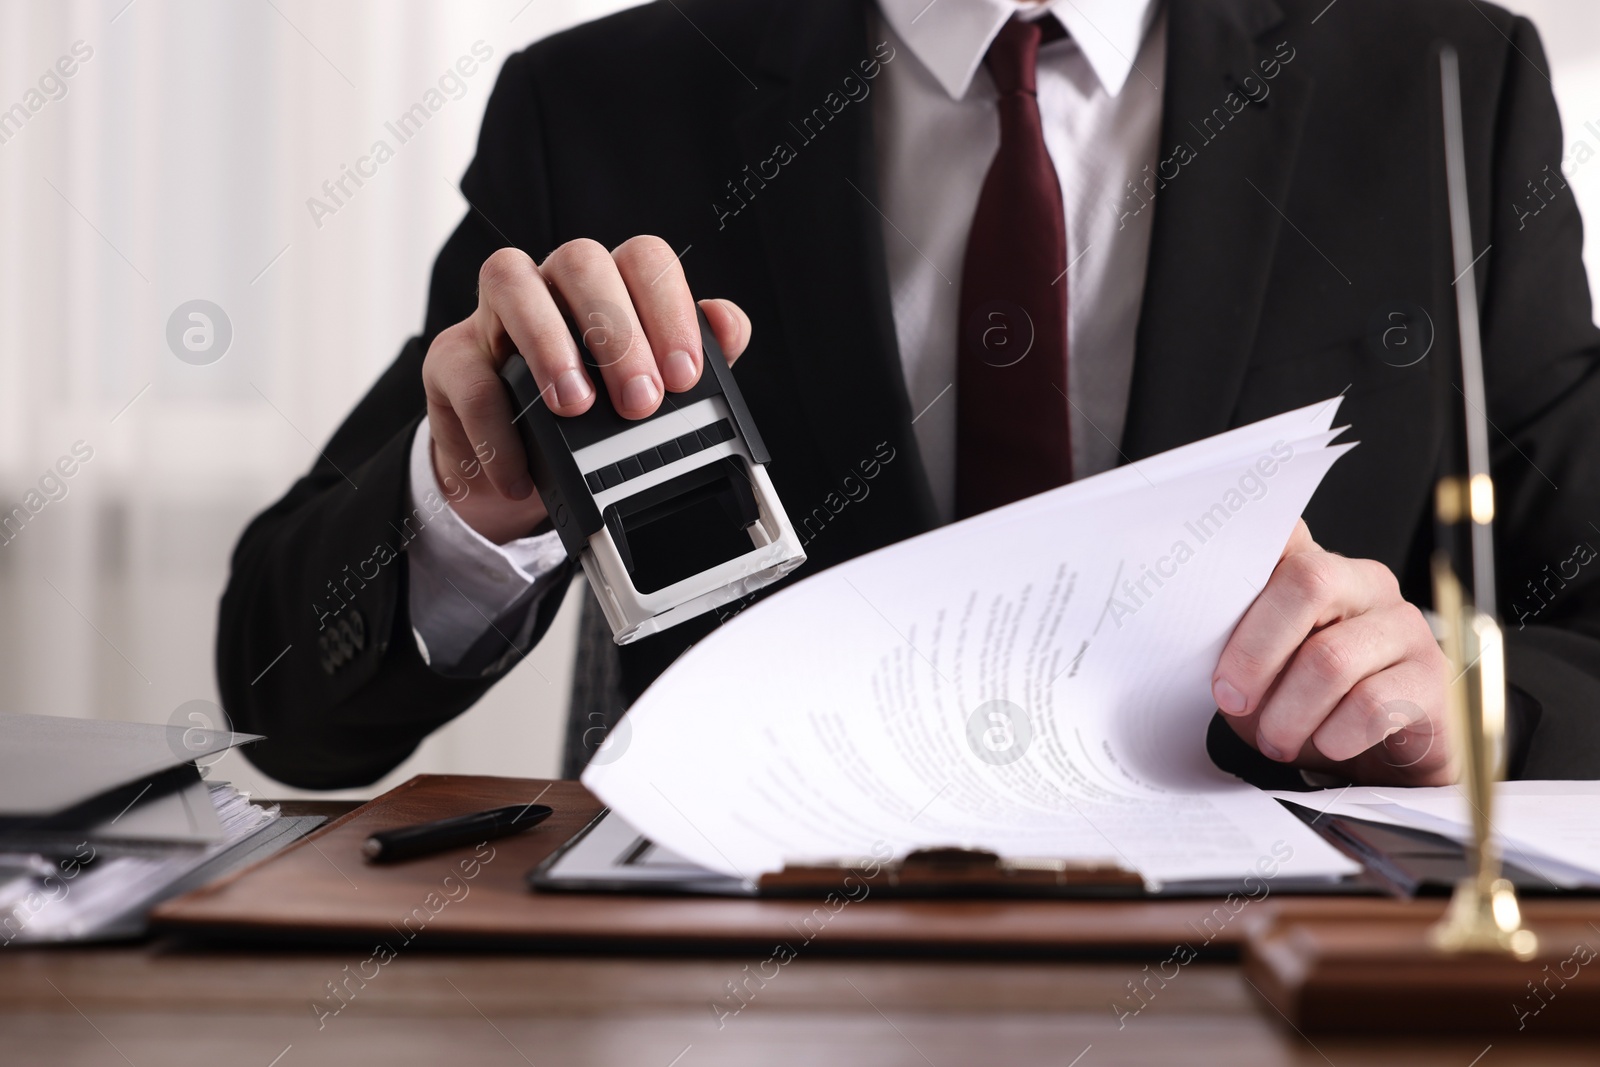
pixel 954 871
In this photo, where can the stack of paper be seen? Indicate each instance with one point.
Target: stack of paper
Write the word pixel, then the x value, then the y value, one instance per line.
pixel 1034 681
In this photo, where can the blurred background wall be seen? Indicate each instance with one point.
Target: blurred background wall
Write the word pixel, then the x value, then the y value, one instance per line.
pixel 175 164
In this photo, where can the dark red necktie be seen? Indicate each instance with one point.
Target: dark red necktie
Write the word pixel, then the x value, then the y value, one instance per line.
pixel 1012 435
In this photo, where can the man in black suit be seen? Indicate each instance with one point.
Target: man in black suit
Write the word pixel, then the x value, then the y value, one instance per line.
pixel 1286 247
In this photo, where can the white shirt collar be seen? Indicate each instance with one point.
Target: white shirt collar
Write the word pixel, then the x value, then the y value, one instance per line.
pixel 950 37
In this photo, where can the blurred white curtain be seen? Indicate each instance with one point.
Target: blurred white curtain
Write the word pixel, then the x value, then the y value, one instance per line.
pixel 176 167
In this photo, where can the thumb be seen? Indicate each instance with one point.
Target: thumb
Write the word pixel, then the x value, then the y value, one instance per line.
pixel 1300 540
pixel 730 324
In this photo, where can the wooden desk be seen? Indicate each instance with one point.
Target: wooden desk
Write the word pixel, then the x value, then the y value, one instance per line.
pixel 161 1004
pixel 150 1006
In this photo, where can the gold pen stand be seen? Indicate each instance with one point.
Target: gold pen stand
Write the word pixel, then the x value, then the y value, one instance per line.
pixel 1483 914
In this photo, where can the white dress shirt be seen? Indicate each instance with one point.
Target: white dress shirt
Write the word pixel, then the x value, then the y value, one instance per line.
pixel 460 580
pixel 937 129
pixel 936 115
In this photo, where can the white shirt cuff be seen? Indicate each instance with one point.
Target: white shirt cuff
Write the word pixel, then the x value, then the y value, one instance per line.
pixel 460 580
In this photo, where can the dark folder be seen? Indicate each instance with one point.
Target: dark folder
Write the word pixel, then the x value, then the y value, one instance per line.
pixel 610 856
pixel 62 773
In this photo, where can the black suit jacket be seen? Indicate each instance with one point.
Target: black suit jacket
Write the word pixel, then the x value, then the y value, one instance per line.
pixel 1285 234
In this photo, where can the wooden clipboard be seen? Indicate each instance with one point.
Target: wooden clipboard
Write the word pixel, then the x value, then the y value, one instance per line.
pixel 319 890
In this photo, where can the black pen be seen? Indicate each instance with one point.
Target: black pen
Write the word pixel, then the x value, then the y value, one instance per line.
pixel 408 842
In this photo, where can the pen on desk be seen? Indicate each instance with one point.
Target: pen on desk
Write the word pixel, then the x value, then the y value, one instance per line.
pixel 408 842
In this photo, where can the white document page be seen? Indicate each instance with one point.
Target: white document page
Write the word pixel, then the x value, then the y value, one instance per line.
pixel 1034 681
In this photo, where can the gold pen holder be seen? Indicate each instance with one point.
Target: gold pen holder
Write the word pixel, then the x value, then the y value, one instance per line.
pixel 1483 916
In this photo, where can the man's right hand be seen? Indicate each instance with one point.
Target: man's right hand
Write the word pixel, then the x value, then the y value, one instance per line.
pixel 638 321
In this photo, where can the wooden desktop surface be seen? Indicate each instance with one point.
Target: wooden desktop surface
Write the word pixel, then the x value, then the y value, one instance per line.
pixel 163 1004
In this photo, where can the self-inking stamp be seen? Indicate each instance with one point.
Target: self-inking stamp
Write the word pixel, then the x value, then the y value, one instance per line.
pixel 670 515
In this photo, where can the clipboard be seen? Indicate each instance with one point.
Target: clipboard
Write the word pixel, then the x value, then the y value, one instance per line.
pixel 609 856
pixel 319 891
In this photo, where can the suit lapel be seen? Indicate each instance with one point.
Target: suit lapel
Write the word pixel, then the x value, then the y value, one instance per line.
pixel 1217 220
pixel 821 233
pixel 1211 248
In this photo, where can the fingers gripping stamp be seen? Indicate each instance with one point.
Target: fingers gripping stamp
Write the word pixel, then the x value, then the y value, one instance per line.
pixel 671 515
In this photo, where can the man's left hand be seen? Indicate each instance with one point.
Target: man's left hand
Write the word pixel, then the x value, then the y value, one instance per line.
pixel 1332 670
